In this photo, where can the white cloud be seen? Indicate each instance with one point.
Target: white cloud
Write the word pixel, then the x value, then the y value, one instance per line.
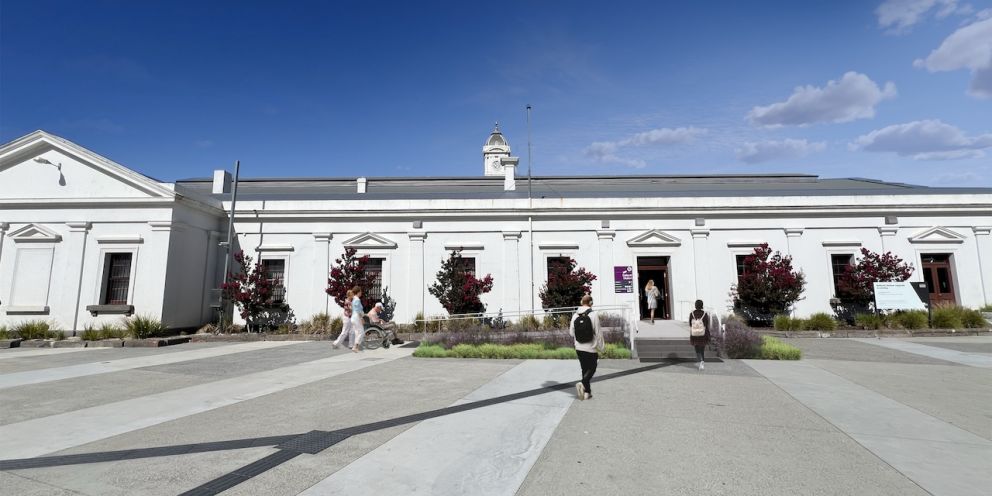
pixel 853 97
pixel 897 16
pixel 924 140
pixel 606 151
pixel 764 151
pixel 970 47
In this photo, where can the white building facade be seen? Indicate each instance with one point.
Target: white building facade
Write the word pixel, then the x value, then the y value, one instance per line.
pixel 83 239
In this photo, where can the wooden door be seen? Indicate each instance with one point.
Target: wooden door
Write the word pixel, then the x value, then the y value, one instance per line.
pixel 937 275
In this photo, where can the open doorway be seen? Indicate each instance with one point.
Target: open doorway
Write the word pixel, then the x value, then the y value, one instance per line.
pixel 656 269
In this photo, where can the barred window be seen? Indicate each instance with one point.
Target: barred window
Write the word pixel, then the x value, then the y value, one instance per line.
pixel 117 278
pixel 374 268
pixel 557 264
pixel 741 267
pixel 839 264
pixel 275 272
pixel 467 266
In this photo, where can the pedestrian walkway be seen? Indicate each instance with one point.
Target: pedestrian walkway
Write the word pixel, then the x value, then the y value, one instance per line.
pixel 983 360
pixel 25 353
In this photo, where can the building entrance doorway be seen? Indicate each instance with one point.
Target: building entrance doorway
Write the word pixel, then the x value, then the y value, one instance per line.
pixel 656 269
pixel 937 274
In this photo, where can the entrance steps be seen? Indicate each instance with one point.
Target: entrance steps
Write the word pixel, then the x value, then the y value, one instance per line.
pixel 650 349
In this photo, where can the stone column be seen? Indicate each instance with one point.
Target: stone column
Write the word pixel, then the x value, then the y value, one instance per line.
pixel 76 243
pixel 321 268
pixel 792 242
pixel 210 280
pixel 701 262
pixel 983 243
pixel 606 295
pixel 511 273
pixel 415 283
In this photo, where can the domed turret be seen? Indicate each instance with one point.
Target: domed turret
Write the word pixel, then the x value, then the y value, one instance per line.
pixel 496 147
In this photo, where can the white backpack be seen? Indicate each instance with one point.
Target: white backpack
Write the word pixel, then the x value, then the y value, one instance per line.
pixel 698 327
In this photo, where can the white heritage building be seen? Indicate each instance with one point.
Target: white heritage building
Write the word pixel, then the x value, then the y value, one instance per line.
pixel 84 240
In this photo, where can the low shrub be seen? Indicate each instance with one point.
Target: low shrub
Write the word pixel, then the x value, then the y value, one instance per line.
pixel 986 309
pixel 528 323
pixel 90 334
pixel 4 333
pixel 774 349
pixel 430 351
pixel 418 322
pixel 35 329
pixel 787 323
pixel 820 322
pixel 609 319
pixel 973 319
pixel 869 321
pixel 910 319
pixel 141 327
pixel 947 317
pixel 320 323
pixel 739 340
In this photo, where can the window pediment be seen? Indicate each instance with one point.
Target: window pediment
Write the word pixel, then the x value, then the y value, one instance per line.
pixel 937 234
pixel 33 233
pixel 653 238
pixel 370 241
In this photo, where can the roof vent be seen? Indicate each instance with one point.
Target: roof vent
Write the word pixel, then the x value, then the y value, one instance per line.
pixel 362 184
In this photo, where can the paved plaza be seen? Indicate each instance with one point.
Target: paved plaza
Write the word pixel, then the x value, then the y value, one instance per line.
pixel 856 416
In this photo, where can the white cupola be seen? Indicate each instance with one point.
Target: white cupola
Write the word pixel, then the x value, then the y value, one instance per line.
pixel 495 149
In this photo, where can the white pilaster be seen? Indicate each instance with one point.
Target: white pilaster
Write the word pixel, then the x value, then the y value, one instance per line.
pixel 75 244
pixel 321 268
pixel 983 242
pixel 511 272
pixel 700 239
pixel 793 238
pixel 606 295
pixel 4 226
pixel 415 286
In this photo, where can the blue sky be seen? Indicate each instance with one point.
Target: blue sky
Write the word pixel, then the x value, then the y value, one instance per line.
pixel 897 90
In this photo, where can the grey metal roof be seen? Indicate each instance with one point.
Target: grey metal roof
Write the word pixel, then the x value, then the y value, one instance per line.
pixel 566 187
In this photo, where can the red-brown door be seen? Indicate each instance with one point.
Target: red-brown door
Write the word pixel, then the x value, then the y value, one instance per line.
pixel 937 275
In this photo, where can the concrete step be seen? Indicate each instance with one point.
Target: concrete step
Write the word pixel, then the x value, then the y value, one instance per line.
pixel 664 348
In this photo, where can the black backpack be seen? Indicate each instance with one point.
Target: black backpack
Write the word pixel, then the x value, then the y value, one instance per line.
pixel 584 331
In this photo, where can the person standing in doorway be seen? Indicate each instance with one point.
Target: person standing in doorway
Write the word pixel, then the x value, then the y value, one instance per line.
pixel 652 293
pixel 345 335
pixel 588 344
pixel 357 318
pixel 699 331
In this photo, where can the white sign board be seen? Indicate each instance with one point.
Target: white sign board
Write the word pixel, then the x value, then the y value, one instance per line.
pixel 897 296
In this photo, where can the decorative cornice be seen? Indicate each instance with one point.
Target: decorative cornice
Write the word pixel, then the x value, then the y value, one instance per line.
pixel 417 236
pixel 456 246
pixel 79 226
pixel 262 248
pixel 322 237
pixel 888 230
pixel 558 246
pixel 605 234
pixel 794 232
pixel 511 235
pixel 160 225
pixel 982 230
pixel 700 233
pixel 744 244
pixel 130 239
pixel 841 243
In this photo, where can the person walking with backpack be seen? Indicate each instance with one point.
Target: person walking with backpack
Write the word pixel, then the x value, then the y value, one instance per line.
pixel 699 331
pixel 588 344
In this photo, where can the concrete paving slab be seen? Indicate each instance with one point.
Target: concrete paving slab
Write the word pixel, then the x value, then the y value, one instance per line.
pixel 963 358
pixel 853 350
pixel 967 344
pixel 22 485
pixel 58 432
pixel 24 353
pixel 662 329
pixel 250 361
pixel 888 428
pixel 954 394
pixel 94 355
pixel 488 451
pixel 55 374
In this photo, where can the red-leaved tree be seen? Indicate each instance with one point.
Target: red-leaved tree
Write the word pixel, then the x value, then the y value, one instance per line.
pixel 565 287
pixel 769 285
pixel 250 289
pixel 459 290
pixel 856 283
pixel 350 271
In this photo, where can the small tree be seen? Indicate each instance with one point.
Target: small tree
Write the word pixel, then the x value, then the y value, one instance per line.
pixel 350 271
pixel 856 284
pixel 769 285
pixel 388 305
pixel 457 290
pixel 251 290
pixel 565 288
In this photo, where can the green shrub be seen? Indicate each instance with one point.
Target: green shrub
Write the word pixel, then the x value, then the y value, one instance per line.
pixel 910 319
pixel 773 349
pixel 787 323
pixel 141 327
pixel 821 322
pixel 973 319
pixel 528 323
pixel 986 309
pixel 35 329
pixel 4 333
pixel 947 317
pixel 430 351
pixel 869 321
pixel 615 351
pixel 320 323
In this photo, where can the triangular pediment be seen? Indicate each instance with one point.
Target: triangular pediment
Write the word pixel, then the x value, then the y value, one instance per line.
pixel 370 241
pixel 653 238
pixel 937 235
pixel 42 166
pixel 33 233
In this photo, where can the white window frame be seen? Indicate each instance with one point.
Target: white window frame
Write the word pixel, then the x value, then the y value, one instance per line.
pixel 102 279
pixel 831 248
